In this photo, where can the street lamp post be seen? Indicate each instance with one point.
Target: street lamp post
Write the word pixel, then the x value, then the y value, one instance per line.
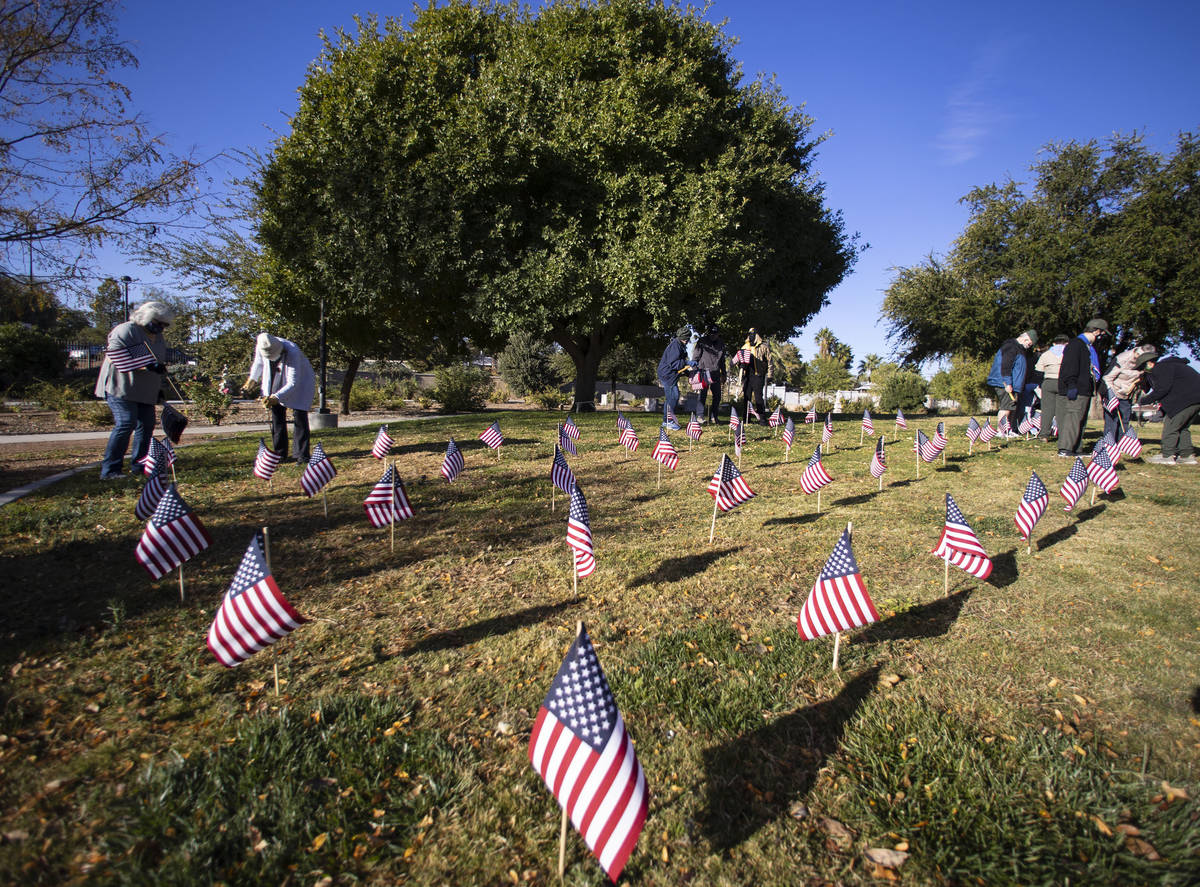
pixel 322 418
pixel 126 280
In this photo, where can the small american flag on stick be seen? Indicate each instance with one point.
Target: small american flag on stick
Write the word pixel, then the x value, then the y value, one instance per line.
pixel 694 428
pixel 155 486
pixel 960 546
pixel 1113 402
pixel 580 747
pixel 1075 485
pixel 265 462
pixel 566 441
pixel 1129 444
pixel 628 437
pixel 776 418
pixel 742 357
pixel 810 417
pixel 579 534
pixel 570 429
pixel 734 421
pixel 253 614
pixel 838 600
pixel 382 447
pixel 561 474
pixel 1100 469
pixel 973 430
pixel 452 464
pixel 868 426
pixel 492 436
pixel 900 421
pixel 815 476
pixel 388 501
pixel 173 535
pixel 664 451
pixel 751 412
pixel 789 433
pixel 728 487
pixel 158 458
pixel 827 433
pixel 1033 505
pixel 317 473
pixel 135 357
pixel 925 447
pixel 879 460
pixel 987 432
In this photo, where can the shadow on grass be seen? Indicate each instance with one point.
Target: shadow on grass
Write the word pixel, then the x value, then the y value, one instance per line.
pixel 1089 513
pixel 1004 569
pixel 856 500
pixel 676 568
pixel 950 468
pixel 907 482
pixel 1196 700
pixel 753 779
pixel 469 634
pixel 794 519
pixel 650 497
pixel 1057 536
pixel 926 621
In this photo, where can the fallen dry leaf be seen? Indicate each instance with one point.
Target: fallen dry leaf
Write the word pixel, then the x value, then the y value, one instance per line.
pixel 837 832
pixel 1174 794
pixel 890 679
pixel 1138 847
pixel 1101 825
pixel 890 858
pixel 319 841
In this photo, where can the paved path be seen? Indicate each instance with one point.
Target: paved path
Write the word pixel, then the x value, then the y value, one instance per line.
pixel 68 436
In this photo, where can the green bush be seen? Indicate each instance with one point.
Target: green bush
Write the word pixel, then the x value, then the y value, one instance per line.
pixel 549 399
pixel 28 354
pixel 905 391
pixel 526 364
pixel 208 399
pixel 461 388
pixel 374 396
pixel 822 404
pixel 58 398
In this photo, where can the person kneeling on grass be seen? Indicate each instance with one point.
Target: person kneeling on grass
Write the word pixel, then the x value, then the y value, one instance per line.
pixel 1176 386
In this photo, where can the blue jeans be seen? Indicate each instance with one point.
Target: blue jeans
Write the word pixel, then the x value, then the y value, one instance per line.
pixel 670 396
pixel 128 418
pixel 1111 425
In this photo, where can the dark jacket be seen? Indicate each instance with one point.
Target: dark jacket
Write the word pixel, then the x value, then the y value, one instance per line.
pixel 1008 367
pixel 1075 371
pixel 674 359
pixel 1174 384
pixel 710 353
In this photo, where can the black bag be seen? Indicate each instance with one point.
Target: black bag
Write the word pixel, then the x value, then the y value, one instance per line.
pixel 173 423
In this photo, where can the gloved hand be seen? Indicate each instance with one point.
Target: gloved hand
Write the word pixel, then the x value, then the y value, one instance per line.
pixel 248 384
pixel 271 400
pixel 1072 393
pixel 160 368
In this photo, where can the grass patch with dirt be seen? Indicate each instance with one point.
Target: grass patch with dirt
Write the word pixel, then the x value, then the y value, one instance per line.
pixel 1032 728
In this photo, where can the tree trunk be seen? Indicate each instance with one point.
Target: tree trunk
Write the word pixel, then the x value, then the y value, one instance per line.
pixel 586 352
pixel 348 383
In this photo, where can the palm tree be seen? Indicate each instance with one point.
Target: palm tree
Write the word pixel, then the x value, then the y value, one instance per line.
pixel 825 340
pixel 868 365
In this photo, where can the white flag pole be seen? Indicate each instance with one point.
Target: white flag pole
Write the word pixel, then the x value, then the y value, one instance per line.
pixel 181 583
pixel 267 559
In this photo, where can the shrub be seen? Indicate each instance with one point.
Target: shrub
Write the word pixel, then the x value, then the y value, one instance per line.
pixel 58 398
pixel 822 404
pixel 501 393
pixel 905 390
pixel 773 403
pixel 408 388
pixel 549 399
pixel 525 364
pixel 374 396
pixel 208 399
pixel 461 388
pixel 26 355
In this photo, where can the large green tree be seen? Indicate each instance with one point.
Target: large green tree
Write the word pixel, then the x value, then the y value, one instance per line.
pixel 1104 230
pixel 619 177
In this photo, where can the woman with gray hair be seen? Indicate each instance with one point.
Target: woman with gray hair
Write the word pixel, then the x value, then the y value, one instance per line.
pixel 286 379
pixel 130 381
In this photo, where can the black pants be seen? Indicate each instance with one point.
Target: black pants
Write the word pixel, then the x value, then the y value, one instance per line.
pixel 714 387
pixel 752 389
pixel 279 435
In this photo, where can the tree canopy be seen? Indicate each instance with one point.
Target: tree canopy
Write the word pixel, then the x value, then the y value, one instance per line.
pixel 590 171
pixel 1105 230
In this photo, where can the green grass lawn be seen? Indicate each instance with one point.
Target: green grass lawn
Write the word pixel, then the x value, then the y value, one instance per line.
pixel 1037 728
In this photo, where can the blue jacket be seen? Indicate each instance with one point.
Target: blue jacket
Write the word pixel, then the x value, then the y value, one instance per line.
pixel 1008 367
pixel 673 360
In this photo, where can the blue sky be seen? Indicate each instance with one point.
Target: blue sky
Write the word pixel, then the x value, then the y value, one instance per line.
pixel 923 100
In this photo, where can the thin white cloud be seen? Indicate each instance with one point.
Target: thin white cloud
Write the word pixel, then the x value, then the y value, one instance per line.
pixel 971 111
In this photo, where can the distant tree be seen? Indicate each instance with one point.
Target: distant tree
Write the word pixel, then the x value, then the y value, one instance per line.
pixel 786 366
pixel 867 366
pixel 77 168
pixel 107 305
pixel 904 390
pixel 22 303
pixel 27 355
pixel 525 364
pixel 1105 231
pixel 827 375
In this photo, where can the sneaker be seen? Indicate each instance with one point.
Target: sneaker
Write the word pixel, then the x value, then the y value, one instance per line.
pixel 1186 460
pixel 672 426
pixel 1063 454
pixel 1162 460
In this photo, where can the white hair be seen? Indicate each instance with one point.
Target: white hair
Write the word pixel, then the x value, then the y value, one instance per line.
pixel 148 312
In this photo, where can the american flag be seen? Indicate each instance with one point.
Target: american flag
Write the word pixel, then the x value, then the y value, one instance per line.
pixel 671 415
pixel 827 434
pixel 734 421
pixel 492 436
pixel 987 432
pixel 383 443
pixel 1110 445
pixel 739 439
pixel 453 464
pixel 939 437
pixel 960 546
pixel 1100 469
pixel 1110 405
pixel 664 451
pixel 1026 421
pixel 789 433
pixel 900 423
pixel 579 534
pixel 1129 444
pixel 153 489
pixel 156 460
pixel 622 422
pixel 628 437
pixel 172 535
pixel 580 747
pixel 253 614
pixel 694 428
pixel 566 441
pixel 561 474
pixel 742 357
pixel 867 425
pixel 728 486
pixel 388 501
pixel 973 430
pixel 1075 485
pixel 838 600
pixel 1033 504
pixel 1054 427
pixel 1035 422
pixel 698 381
pixel 879 460
pixel 570 429
pixel 126 360
pixel 776 418
pixel 265 462
pixel 317 473
pixel 170 451
pixel 1003 428
pixel 925 447
pixel 811 416
pixel 815 476
pixel 751 411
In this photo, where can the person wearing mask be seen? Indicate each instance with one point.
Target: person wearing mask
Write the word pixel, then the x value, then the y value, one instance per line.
pixel 710 361
pixel 131 393
pixel 1048 364
pixel 1078 381
pixel 673 362
pixel 1007 377
pixel 1174 385
pixel 286 379
pixel 754 375
pixel 1120 380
